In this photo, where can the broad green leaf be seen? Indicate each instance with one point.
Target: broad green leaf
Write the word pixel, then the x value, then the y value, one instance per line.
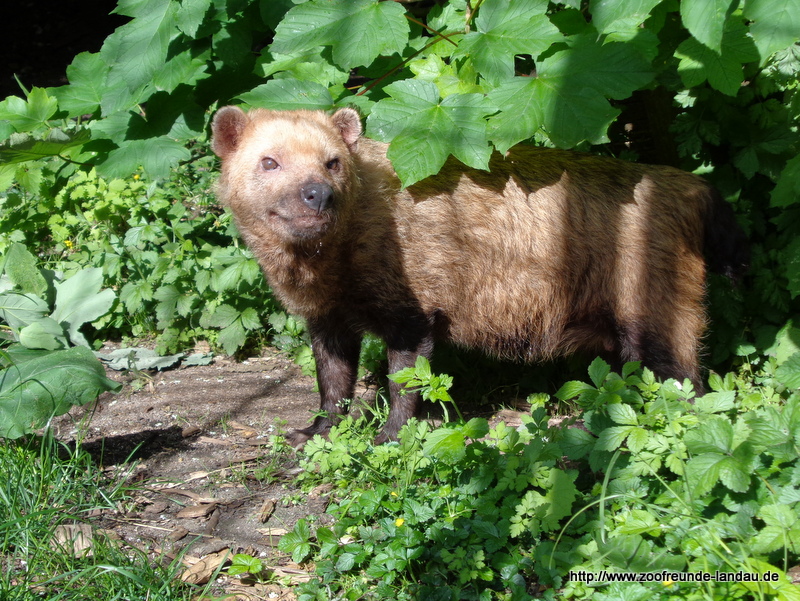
pixel 788 373
pixel 561 495
pixel 598 371
pixel 623 414
pixel 138 49
pixel 705 20
pixel 735 474
pixel 787 190
pixel 775 24
pixel 522 114
pixel 33 392
pixel 446 444
pixel 713 435
pixel 716 402
pixel 28 115
pixel 87 84
pixel 24 147
pixel 702 472
pixel 289 94
pixel 157 156
pixel 22 269
pixel 477 427
pixel 505 30
pixel 613 16
pixel 232 337
pixel 79 300
pixel 358 30
pixel 45 333
pixel 424 131
pixel 190 15
pixel 18 310
pixel 722 70
pixel 577 443
pixel 612 438
pixel 123 359
pixel 637 440
pixel 574 388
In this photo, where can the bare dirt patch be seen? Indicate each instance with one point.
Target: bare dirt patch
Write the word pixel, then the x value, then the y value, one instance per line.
pixel 196 436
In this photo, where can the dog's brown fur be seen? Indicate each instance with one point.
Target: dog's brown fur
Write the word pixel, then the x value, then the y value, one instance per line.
pixel 548 253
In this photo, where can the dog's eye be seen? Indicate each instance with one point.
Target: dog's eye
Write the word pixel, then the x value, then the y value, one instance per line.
pixel 269 164
pixel 333 165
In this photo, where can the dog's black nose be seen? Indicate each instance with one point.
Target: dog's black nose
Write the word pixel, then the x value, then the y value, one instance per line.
pixel 317 196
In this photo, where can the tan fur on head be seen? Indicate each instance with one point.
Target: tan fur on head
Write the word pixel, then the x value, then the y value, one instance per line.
pixel 550 252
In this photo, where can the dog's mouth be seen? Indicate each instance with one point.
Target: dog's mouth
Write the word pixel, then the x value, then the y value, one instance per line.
pixel 305 225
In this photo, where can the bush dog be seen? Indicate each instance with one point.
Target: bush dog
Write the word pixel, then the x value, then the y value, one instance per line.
pixel 548 253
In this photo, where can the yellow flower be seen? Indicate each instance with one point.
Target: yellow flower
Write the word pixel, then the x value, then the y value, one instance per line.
pixel 668 582
pixel 399 522
pixel 394 494
pixel 68 243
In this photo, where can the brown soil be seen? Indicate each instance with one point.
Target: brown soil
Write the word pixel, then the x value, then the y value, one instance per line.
pixel 197 435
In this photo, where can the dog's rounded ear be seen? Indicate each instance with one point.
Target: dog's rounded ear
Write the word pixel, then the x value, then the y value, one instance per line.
pixel 226 129
pixel 349 123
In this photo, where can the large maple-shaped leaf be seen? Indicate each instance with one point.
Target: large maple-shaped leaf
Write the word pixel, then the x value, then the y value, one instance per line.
pixel 289 94
pixel 505 30
pixel 137 50
pixel 424 130
pixel 722 70
pixel 87 83
pixel 705 20
pixel 775 24
pixel 568 97
pixel 359 31
pixel 614 15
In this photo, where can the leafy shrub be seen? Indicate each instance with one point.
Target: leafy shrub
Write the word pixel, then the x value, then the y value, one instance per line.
pixel 648 483
pixel 41 377
pixel 705 87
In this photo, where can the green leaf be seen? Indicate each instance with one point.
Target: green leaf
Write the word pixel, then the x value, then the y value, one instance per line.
pixel 623 414
pixel 561 495
pixel 87 83
pixel 705 20
pixel 20 148
pixel 716 402
pixel 722 70
pixel 289 94
pixel 788 373
pixel 454 126
pixel 577 443
pixel 358 30
pixel 615 16
pixel 46 333
pixel 190 15
pixel 33 392
pixel 598 371
pixel 505 30
pixel 19 310
pixel 28 115
pixel 775 26
pixel 787 190
pixel 612 438
pixel 476 428
pixel 702 472
pixel 157 156
pixel 138 49
pixel 446 444
pixel 79 300
pixel 22 269
pixel 572 389
pixel 713 435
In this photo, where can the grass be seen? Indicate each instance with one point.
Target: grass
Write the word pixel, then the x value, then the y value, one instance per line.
pixel 47 492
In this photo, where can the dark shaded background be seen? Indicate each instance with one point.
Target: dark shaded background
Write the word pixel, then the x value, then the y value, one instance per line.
pixel 41 37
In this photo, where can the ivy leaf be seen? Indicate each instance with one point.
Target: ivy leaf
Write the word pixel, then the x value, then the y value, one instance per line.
pixel 289 94
pixel 722 70
pixel 775 24
pixel 359 31
pixel 705 20
pixel 454 125
pixel 505 30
